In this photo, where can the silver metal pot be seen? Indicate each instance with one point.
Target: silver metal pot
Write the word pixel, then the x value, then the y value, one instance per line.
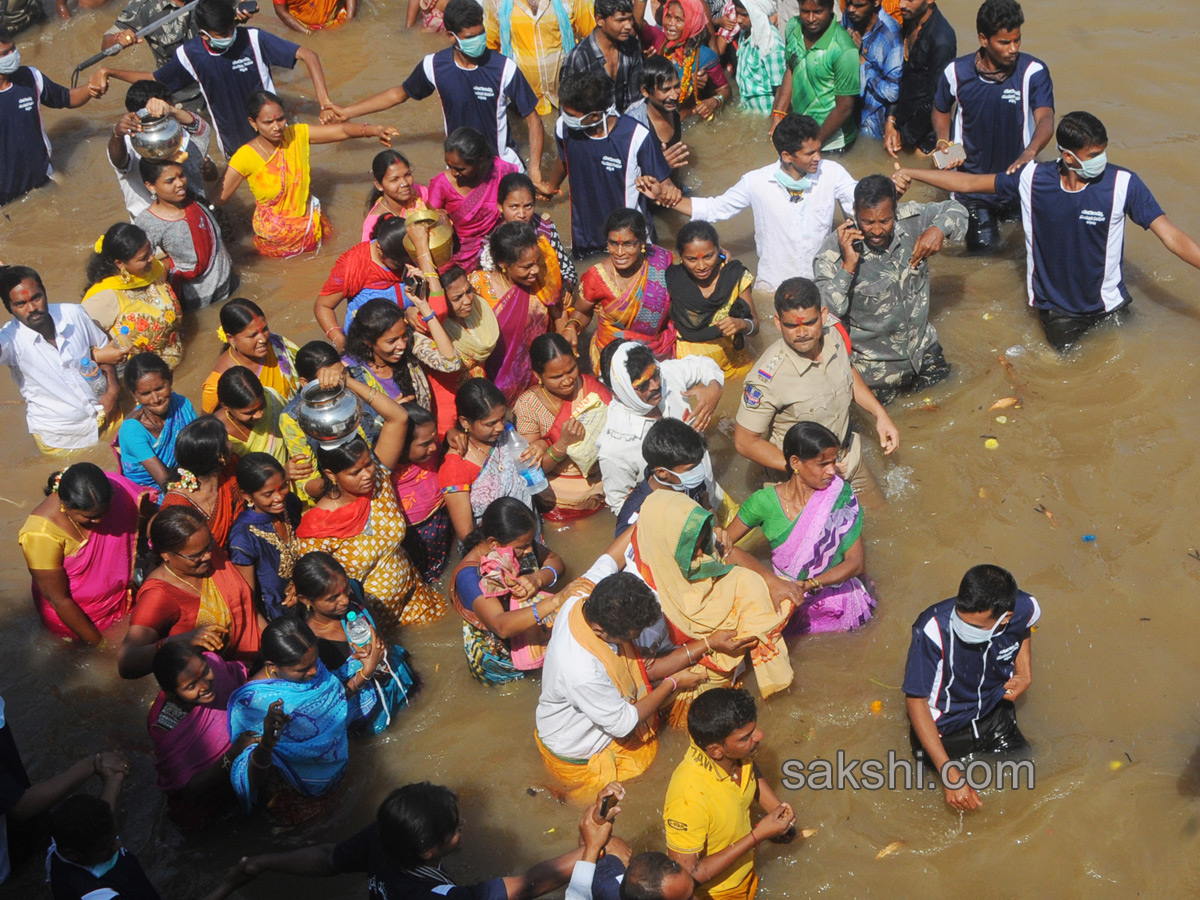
pixel 159 138
pixel 328 417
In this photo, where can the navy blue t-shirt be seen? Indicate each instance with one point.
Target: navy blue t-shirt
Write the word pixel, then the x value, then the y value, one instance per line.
pixel 228 79
pixel 476 98
pixel 24 147
pixel 603 173
pixel 1075 240
pixel 364 853
pixel 994 121
pixel 963 682
pixel 126 880
pixel 633 503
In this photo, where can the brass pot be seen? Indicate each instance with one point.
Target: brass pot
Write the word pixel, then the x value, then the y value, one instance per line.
pixel 441 236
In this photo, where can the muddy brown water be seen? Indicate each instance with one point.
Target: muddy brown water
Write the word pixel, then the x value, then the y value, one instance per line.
pixel 1105 439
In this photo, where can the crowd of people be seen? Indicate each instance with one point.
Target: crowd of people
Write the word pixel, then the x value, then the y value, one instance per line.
pixel 507 381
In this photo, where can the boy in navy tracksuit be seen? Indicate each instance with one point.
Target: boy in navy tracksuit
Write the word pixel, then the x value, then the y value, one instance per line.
pixel 968 661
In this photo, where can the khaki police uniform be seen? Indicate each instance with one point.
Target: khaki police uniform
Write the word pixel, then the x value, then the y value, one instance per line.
pixel 784 388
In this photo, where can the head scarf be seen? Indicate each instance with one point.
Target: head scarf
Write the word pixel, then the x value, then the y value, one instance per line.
pixel 622 384
pixel 695 18
pixel 764 37
pixel 477 336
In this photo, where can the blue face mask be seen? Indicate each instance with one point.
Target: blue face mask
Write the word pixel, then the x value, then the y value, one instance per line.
pixel 792 184
pixel 473 47
pixel 10 62
pixel 1088 169
pixel 220 44
pixel 105 867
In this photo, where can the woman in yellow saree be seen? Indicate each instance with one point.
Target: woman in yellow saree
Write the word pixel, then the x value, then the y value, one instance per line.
pixel 287 217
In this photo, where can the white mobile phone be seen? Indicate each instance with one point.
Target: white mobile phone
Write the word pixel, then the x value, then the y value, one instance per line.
pixel 945 158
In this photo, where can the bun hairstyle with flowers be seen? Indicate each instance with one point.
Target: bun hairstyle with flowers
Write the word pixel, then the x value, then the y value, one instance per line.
pixel 82 486
pixel 119 244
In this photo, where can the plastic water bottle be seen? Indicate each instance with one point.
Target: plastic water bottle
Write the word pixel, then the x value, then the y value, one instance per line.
pixel 515 445
pixel 358 629
pixel 93 376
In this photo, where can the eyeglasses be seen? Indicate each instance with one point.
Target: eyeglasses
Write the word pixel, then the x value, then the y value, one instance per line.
pixel 623 245
pixel 196 557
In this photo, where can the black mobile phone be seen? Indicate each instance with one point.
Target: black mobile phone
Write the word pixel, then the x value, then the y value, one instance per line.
pixel 605 805
pixel 858 245
pixel 250 7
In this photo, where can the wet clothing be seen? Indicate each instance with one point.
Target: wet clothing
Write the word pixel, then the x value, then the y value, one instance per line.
pixel 885 303
pixel 587 58
pixel 822 73
pixel 1075 241
pixel 964 683
pixel 24 146
pixel 882 64
pixel 124 881
pixel 929 55
pixel 163 42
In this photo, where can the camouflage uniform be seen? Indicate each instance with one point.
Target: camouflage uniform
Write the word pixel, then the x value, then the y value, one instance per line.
pixel 137 14
pixel 885 305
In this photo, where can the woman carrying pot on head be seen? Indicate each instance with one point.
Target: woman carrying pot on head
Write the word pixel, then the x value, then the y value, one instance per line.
pixel 358 519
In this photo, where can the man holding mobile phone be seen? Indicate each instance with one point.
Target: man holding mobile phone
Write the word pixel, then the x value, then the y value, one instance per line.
pixel 1005 115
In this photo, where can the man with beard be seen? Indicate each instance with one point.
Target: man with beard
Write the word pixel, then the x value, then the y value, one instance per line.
pixel 707 809
pixel 1005 113
pixel 658 109
pixel 877 36
pixel 822 79
pixel 45 346
pixel 929 46
pixel 873 275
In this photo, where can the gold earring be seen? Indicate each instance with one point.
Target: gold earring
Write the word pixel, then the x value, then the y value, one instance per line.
pixel 126 278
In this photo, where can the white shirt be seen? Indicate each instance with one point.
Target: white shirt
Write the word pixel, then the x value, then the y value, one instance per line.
pixel 622 465
pixel 580 710
pixel 137 199
pixel 787 235
pixel 60 406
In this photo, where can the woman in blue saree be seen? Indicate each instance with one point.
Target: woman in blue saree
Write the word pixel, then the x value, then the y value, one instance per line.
pixel 301 711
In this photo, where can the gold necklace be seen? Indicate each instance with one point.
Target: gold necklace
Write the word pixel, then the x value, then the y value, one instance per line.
pixel 78 532
pixel 180 579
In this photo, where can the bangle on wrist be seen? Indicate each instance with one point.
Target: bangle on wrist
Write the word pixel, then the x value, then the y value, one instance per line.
pixel 707 646
pixel 432 315
pixel 674 683
pixel 334 328
pixel 688 651
pixel 536 618
pixel 554 456
pixel 778 114
pixel 553 575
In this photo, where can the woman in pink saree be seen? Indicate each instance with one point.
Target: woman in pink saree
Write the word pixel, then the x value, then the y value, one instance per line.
pixel 79 544
pixel 814 526
pixel 468 190
pixel 525 292
pixel 189 725
pixel 627 291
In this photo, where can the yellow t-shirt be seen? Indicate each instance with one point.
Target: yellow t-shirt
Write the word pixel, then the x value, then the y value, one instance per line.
pixel 706 811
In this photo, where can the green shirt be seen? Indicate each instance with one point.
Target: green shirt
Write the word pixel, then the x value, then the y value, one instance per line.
pixel 762 509
pixel 822 74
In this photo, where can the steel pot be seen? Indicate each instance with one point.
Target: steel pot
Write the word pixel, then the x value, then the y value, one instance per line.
pixel 159 138
pixel 328 417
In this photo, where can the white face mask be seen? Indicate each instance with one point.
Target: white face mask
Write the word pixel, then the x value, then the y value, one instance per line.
pixel 690 480
pixel 10 62
pixel 577 124
pixel 973 634
pixel 1088 169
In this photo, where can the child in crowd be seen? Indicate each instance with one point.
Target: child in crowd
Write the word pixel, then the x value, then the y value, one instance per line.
pixel 707 809
pixel 674 453
pixel 517 202
pixel 146 440
pixel 968 661
pixel 416 483
pixel 262 543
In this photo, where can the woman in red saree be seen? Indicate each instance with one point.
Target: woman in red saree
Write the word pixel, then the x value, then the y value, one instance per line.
pixel 525 292
pixel 79 544
pixel 627 291
pixel 195 595
pixel 468 191
pixel 683 39
pixel 562 417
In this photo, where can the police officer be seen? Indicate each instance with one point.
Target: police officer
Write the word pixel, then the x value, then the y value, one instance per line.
pixel 873 275
pixel 806 376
